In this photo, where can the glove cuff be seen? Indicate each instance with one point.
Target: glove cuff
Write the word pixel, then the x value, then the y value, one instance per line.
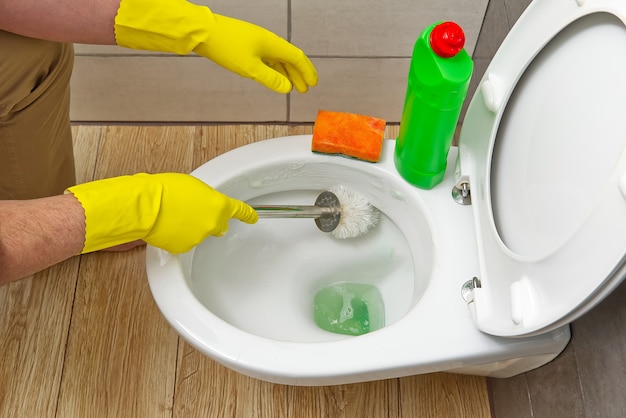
pixel 118 210
pixel 162 25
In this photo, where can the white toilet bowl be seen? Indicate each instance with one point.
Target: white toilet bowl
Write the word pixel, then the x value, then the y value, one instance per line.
pixel 246 299
pixel 467 289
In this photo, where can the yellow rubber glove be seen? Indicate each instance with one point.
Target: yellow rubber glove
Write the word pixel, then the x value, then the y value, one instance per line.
pixel 181 27
pixel 171 211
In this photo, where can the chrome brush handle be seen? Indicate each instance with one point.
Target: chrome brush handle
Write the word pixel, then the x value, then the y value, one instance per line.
pixel 283 211
pixel 327 211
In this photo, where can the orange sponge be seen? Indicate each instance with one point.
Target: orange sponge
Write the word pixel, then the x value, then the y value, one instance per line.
pixel 348 134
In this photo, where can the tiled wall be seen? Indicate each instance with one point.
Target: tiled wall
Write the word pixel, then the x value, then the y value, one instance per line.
pixel 361 49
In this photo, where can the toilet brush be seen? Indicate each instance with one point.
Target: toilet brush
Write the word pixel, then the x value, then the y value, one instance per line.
pixel 339 211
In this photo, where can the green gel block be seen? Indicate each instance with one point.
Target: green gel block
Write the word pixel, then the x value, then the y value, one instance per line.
pixel 349 308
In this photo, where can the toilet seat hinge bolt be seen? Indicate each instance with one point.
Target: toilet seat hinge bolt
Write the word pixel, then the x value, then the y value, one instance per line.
pixel 467 290
pixel 461 193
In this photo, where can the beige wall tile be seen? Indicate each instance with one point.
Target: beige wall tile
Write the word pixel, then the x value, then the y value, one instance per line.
pixel 360 47
pixel 270 14
pixel 169 89
pixel 371 28
pixel 374 87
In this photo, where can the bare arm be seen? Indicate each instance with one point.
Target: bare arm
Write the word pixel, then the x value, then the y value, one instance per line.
pixel 171 211
pixel 75 21
pixel 35 234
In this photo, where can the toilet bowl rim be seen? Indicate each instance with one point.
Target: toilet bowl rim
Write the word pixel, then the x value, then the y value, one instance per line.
pixel 223 340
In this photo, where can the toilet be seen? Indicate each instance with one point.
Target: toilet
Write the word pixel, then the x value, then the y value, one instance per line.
pixel 480 275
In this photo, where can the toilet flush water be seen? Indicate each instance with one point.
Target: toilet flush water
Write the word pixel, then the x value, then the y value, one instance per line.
pixel 263 278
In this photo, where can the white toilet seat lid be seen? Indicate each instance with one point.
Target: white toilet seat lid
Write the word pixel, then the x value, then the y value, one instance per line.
pixel 543 148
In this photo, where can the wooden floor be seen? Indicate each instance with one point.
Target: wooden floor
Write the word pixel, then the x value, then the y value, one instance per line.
pixel 85 339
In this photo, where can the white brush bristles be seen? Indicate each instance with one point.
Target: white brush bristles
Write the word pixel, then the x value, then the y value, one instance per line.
pixel 358 216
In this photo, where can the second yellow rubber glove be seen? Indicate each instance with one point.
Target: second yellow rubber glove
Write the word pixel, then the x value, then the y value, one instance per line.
pixel 246 49
pixel 171 211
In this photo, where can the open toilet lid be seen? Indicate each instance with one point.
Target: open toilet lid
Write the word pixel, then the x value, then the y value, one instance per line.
pixel 543 147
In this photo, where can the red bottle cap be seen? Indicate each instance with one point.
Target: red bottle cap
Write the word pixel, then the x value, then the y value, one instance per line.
pixel 447 39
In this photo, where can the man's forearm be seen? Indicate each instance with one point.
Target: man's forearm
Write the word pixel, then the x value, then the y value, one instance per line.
pixel 74 21
pixel 35 234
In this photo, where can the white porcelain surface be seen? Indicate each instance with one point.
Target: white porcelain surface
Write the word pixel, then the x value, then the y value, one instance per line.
pixel 263 278
pixel 543 148
pixel 429 330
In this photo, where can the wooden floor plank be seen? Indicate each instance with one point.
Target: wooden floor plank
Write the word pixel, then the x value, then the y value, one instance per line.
pixel 207 389
pixel 370 399
pixel 219 139
pixel 86 146
pixel 121 354
pixel 150 149
pixel 34 322
pixel 444 395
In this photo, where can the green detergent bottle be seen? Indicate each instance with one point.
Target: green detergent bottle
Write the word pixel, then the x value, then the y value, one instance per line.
pixel 439 77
